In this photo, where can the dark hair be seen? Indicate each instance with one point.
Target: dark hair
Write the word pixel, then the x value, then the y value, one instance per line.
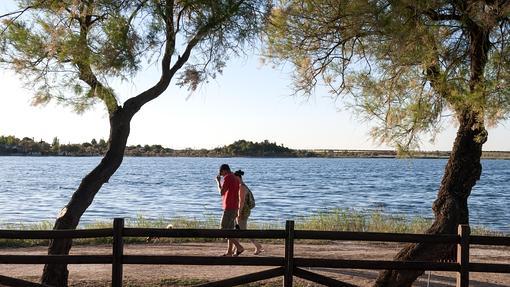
pixel 225 167
pixel 239 173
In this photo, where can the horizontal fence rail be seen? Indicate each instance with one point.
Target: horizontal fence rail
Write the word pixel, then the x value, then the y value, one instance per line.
pixel 55 234
pixel 489 240
pixel 203 233
pixel 202 260
pixel 55 259
pixel 376 236
pixel 376 264
pixel 288 266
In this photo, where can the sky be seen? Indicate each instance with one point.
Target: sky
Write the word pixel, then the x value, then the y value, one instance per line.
pixel 250 100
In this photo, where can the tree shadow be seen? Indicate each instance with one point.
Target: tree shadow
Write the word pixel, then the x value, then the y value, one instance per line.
pixel 436 280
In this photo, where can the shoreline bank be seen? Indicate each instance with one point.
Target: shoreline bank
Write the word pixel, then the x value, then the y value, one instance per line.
pixel 372 154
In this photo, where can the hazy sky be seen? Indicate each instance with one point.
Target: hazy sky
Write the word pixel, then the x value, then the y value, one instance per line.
pixel 249 101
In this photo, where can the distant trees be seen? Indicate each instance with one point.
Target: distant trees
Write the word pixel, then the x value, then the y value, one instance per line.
pixel 11 144
pixel 248 148
pixel 238 148
pixel 55 145
pixel 9 140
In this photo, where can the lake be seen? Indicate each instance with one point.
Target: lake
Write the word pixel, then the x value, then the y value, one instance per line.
pixel 33 189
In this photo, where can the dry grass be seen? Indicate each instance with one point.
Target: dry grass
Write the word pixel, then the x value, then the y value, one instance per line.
pixel 335 220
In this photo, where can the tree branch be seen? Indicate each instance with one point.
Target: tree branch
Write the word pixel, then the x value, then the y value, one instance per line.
pixel 20 12
pixel 135 103
pixel 435 16
pixel 85 71
pixel 504 10
pixel 434 75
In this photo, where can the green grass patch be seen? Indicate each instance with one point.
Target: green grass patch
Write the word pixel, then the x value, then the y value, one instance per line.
pixel 374 221
pixel 356 221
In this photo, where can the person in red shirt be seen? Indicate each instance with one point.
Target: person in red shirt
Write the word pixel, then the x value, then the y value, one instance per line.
pixel 229 191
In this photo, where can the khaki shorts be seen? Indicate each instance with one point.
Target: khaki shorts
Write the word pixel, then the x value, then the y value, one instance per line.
pixel 228 220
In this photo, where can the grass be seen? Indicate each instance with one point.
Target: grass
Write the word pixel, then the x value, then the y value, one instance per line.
pixel 375 221
pixel 351 220
pixel 335 220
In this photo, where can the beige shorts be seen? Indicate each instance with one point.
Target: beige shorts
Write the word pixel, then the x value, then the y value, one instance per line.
pixel 228 220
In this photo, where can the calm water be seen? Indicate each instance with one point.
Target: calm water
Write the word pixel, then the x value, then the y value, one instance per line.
pixel 33 189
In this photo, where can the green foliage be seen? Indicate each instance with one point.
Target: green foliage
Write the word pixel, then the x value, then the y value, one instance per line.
pixel 249 148
pixel 9 140
pixel 69 51
pixel 12 145
pixel 405 64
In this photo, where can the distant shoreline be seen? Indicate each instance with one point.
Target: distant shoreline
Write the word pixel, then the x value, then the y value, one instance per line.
pixel 322 153
pixel 12 146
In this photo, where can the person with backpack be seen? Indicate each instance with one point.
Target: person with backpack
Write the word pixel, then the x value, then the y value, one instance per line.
pixel 229 191
pixel 246 204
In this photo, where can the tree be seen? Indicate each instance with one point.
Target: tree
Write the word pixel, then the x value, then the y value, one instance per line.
pixel 45 147
pixel 55 145
pixel 9 140
pixel 406 64
pixel 103 144
pixel 70 51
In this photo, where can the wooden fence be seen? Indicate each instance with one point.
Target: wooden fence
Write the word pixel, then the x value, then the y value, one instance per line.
pixel 287 266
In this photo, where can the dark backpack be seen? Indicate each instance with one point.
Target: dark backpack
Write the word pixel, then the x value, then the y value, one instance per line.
pixel 249 200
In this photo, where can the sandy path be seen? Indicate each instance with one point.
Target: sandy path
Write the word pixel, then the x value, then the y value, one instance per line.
pixel 343 250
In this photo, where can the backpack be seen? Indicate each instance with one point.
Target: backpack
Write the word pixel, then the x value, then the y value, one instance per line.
pixel 249 200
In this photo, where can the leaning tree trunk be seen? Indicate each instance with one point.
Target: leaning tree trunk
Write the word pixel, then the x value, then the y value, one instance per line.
pixel 69 217
pixel 462 171
pixel 450 208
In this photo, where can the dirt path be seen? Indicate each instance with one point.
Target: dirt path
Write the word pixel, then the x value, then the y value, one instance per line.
pixel 180 275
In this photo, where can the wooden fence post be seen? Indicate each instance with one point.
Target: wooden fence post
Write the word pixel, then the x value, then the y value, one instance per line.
pixel 117 252
pixel 289 254
pixel 463 256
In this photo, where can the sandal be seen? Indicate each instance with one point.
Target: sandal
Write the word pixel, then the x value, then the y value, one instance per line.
pixel 239 252
pixel 257 252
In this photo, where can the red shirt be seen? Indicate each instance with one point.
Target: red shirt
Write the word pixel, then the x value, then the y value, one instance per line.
pixel 230 199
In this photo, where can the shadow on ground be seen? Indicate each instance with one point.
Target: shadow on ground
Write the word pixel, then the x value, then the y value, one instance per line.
pixel 435 280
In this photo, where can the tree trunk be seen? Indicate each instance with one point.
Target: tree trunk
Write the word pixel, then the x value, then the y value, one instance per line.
pixel 69 217
pixel 463 169
pixel 450 208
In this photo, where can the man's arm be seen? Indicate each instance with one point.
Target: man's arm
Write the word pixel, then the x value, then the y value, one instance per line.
pixel 218 181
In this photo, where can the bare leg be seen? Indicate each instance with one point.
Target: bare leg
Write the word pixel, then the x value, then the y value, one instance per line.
pixel 230 247
pixel 258 247
pixel 234 242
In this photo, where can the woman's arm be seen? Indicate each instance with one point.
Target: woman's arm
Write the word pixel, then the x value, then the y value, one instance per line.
pixel 242 195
